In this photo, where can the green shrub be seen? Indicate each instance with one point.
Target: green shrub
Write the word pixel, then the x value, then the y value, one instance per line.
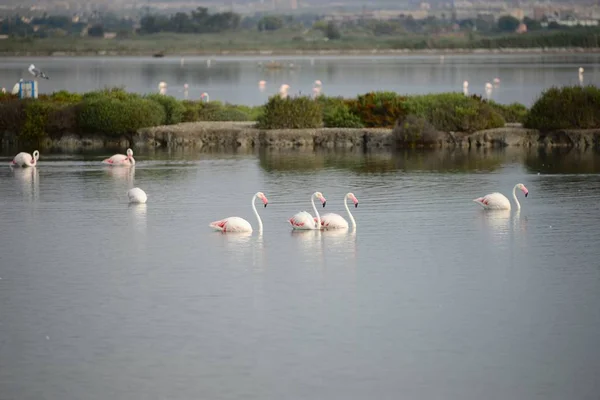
pixel 65 97
pixel 290 113
pixel 570 107
pixel 112 93
pixel 12 116
pixel 454 112
pixel 191 111
pixel 174 109
pixel 34 125
pixel 514 112
pixel 337 114
pixel 378 109
pixel 62 119
pixel 415 131
pixel 116 117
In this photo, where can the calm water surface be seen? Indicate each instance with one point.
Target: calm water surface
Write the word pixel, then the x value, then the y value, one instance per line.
pixel 235 79
pixel 429 298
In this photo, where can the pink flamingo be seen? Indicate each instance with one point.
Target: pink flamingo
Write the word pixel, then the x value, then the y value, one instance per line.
pixel 25 159
pixel 304 220
pixel 336 221
pixel 498 201
pixel 120 159
pixel 237 224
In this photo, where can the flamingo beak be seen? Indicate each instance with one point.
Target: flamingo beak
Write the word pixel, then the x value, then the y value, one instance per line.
pixel 526 193
pixel 265 201
pixel 323 201
pixel 356 204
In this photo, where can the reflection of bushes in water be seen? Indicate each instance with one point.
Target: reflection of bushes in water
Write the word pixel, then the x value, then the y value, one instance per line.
pixel 563 161
pixel 458 160
pixel 449 160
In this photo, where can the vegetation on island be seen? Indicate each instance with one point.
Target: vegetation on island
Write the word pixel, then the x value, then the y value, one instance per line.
pixel 200 32
pixel 414 118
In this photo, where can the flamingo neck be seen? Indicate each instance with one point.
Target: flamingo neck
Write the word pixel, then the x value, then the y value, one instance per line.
pixel 514 193
pixel 312 200
pixel 260 224
pixel 349 213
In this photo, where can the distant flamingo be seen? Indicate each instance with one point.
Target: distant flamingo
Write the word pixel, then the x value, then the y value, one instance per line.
pixel 25 159
pixel 237 224
pixel 336 221
pixel 205 96
pixel 497 201
pixel 120 159
pixel 137 195
pixel 304 220
pixel 283 90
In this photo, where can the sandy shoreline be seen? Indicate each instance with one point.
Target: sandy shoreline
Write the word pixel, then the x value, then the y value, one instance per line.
pixel 288 52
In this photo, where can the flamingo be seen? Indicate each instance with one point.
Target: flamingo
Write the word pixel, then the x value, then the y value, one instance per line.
pixel 237 224
pixel 120 159
pixel 137 195
pixel 498 201
pixel 25 159
pixel 304 220
pixel 204 96
pixel 283 90
pixel 336 221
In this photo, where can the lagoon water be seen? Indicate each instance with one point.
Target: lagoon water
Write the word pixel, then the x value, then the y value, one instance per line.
pixel 235 79
pixel 429 298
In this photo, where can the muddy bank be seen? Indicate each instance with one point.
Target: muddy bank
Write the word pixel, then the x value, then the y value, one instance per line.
pixel 243 135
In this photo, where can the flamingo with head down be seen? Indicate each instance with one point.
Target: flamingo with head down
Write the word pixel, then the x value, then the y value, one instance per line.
pixel 336 221
pixel 498 201
pixel 304 220
pixel 120 159
pixel 237 224
pixel 25 159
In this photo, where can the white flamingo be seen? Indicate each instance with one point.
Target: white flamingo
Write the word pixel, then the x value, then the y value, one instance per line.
pixel 204 96
pixel 120 159
pixel 137 195
pixel 25 159
pixel 304 220
pixel 237 224
pixel 498 201
pixel 336 221
pixel 283 90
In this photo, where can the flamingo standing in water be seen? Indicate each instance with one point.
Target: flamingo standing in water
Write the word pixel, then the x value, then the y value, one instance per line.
pixel 120 159
pixel 336 221
pixel 137 195
pixel 25 159
pixel 498 201
pixel 237 224
pixel 304 220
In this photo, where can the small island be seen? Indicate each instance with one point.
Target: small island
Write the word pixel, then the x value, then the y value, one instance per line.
pixel 567 116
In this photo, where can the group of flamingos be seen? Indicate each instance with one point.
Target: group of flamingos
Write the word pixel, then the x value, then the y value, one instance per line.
pixel 301 220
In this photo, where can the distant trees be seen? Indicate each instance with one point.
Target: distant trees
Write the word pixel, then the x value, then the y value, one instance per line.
pixel 508 23
pixel 198 21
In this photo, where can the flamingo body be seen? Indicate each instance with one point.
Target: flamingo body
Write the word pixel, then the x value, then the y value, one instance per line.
pixel 25 159
pixel 237 224
pixel 137 195
pixel 336 221
pixel 333 221
pixel 120 159
pixel 232 224
pixel 303 220
pixel 498 201
pixel 494 201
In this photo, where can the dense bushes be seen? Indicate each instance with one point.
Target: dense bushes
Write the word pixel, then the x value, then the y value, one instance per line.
pixel 291 113
pixel 572 107
pixel 416 119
